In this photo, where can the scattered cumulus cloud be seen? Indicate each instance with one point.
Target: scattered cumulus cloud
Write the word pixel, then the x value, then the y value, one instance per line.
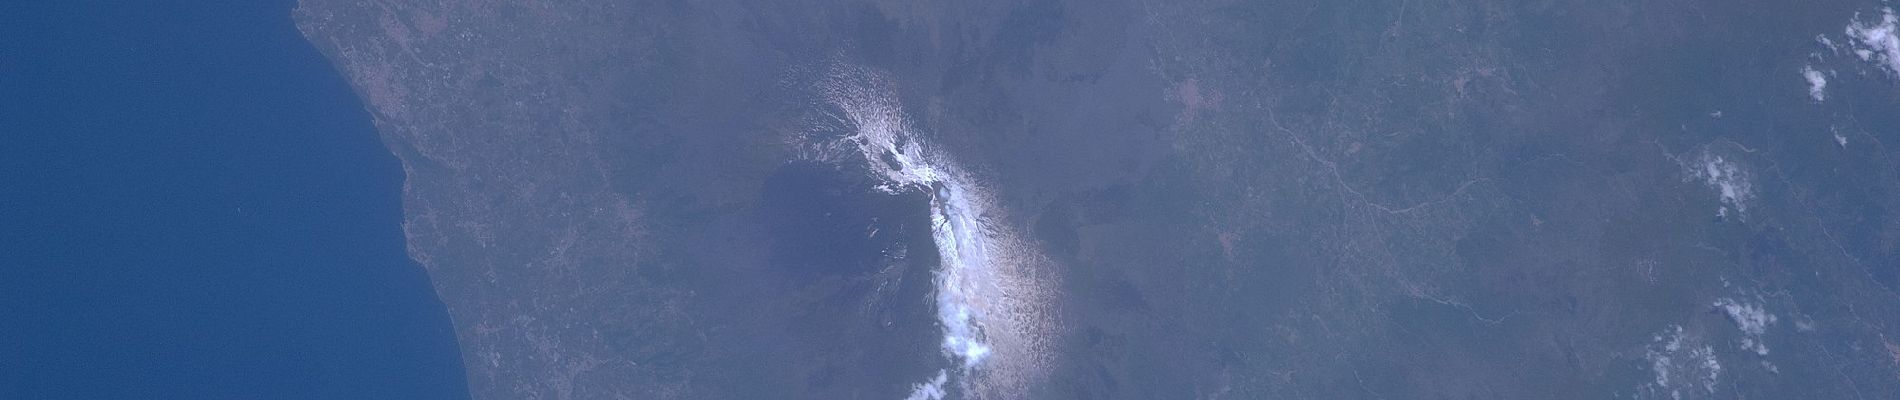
pixel 1752 319
pixel 1875 41
pixel 1729 180
pixel 1817 83
pixel 1683 368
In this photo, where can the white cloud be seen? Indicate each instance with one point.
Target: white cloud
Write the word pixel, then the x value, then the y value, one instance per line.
pixel 1876 42
pixel 1728 179
pixel 1752 319
pixel 1682 368
pixel 931 390
pixel 1817 83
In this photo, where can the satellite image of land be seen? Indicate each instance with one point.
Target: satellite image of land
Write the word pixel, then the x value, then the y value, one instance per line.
pixel 1224 199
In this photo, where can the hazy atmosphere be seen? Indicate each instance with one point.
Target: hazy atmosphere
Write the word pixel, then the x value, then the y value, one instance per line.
pixel 983 199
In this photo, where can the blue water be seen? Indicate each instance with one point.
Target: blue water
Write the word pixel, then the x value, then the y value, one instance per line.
pixel 194 206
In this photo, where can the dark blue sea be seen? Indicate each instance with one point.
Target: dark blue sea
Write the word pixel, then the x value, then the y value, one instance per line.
pixel 193 205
